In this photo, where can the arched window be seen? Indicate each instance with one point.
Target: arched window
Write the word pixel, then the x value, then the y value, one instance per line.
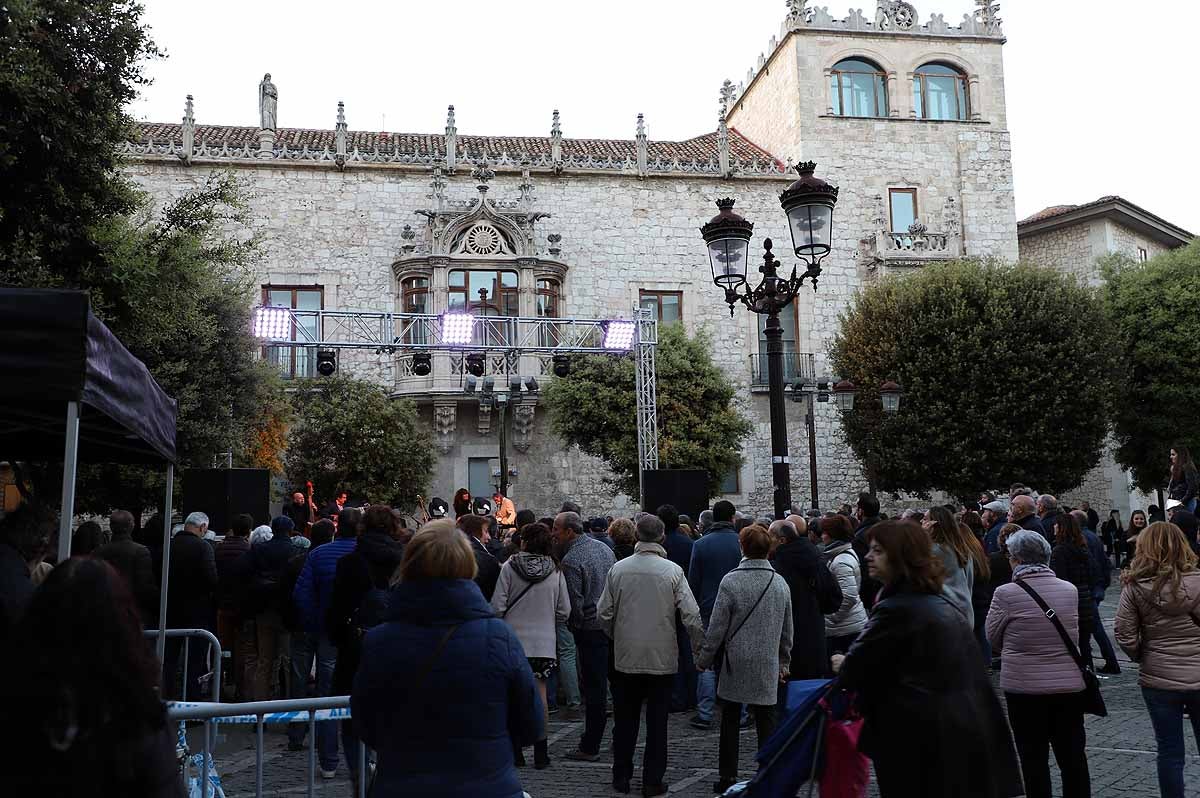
pixel 858 88
pixel 940 92
pixel 414 298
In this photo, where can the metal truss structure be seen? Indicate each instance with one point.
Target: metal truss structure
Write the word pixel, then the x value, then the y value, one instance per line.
pixel 509 336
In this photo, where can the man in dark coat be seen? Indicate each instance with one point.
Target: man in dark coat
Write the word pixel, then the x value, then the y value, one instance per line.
pixel 713 556
pixel 679 551
pixel 235 632
pixel 995 516
pixel 1023 512
pixel 20 531
pixel 133 561
pixel 300 510
pixel 866 512
pixel 815 592
pixel 475 527
pixel 191 598
pixel 359 601
pixel 1101 579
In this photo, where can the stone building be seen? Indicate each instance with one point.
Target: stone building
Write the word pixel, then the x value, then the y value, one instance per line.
pixel 906 116
pixel 1072 239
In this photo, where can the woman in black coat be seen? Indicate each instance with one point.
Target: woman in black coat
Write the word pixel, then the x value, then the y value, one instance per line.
pixel 1072 563
pixel 815 592
pixel 932 723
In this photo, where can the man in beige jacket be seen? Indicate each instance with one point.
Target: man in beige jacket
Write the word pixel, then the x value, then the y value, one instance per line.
pixel 637 610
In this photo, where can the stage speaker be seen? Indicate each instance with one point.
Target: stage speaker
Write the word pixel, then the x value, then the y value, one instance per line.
pixel 685 489
pixel 222 493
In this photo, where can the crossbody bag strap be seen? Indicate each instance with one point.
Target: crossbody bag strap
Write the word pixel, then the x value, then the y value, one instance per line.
pixel 419 681
pixel 1053 616
pixel 742 623
pixel 520 596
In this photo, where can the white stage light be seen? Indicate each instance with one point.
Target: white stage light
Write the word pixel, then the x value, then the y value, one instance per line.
pixel 619 334
pixel 272 323
pixel 458 328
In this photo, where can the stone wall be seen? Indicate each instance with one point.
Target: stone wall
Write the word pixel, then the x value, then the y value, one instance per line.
pixel 1068 250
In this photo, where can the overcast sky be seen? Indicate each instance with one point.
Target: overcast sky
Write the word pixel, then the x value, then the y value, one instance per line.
pixel 1100 101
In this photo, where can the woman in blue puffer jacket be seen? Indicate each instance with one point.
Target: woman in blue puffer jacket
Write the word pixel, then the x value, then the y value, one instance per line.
pixel 444 690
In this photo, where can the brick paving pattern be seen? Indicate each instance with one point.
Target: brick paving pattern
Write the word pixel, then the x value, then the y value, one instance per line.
pixel 1120 755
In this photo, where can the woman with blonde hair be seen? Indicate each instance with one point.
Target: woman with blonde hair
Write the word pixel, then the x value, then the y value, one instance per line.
pixel 962 557
pixel 1158 626
pixel 444 691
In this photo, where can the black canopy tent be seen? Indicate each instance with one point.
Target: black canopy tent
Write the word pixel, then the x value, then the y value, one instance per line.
pixel 67 384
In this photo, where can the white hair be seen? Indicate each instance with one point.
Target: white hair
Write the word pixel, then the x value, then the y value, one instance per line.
pixel 196 519
pixel 1028 547
pixel 261 534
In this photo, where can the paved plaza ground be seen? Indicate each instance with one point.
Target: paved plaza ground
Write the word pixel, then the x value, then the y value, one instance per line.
pixel 1120 755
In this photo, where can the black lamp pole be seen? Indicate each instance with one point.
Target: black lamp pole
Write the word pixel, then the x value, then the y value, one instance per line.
pixel 808 204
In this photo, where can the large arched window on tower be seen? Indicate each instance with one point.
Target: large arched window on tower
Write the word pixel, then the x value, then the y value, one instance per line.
pixel 486 293
pixel 858 88
pixel 940 92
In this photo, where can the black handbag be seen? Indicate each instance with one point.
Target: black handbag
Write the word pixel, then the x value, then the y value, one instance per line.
pixel 1093 701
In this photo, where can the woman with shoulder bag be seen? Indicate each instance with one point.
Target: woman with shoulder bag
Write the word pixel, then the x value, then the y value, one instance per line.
pixel 1042 679
pixel 531 596
pixel 1158 626
pixel 752 622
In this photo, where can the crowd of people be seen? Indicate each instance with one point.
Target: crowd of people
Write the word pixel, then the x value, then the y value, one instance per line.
pixel 458 639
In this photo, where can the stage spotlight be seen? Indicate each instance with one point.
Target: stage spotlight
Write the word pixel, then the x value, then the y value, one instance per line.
pixel 488 384
pixel 458 329
pixel 474 363
pixel 619 334
pixel 469 384
pixel 326 362
pixel 514 384
pixel 562 365
pixel 422 364
pixel 531 385
pixel 272 323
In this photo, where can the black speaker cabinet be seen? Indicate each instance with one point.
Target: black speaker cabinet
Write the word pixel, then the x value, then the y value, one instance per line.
pixel 222 493
pixel 685 489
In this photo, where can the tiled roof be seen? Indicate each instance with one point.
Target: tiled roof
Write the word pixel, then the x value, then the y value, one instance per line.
pixel 700 149
pixel 1059 210
pixel 1118 208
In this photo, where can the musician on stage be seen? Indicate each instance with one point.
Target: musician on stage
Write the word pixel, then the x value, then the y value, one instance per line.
pixel 506 512
pixel 301 510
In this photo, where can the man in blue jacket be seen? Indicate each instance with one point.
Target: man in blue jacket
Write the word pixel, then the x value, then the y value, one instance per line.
pixel 1101 579
pixel 713 556
pixel 311 596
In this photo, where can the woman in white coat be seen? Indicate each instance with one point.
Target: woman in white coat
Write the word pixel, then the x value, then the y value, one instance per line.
pixel 843 626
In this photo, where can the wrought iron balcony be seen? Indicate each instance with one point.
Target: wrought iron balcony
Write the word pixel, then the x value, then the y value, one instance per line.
pixel 795 365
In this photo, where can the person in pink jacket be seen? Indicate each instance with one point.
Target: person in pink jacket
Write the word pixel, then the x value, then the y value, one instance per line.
pixel 1158 626
pixel 1039 677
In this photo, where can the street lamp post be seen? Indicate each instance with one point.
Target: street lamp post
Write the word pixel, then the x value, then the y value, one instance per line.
pixel 808 204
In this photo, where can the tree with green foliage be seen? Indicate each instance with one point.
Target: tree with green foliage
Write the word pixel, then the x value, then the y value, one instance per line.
pixel 178 294
pixel 1153 307
pixel 68 68
pixel 348 434
pixel 595 408
pixel 1007 374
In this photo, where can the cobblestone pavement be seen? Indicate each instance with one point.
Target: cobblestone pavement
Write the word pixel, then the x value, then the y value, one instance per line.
pixel 1120 755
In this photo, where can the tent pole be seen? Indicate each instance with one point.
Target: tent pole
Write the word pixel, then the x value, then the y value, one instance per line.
pixel 70 457
pixel 161 646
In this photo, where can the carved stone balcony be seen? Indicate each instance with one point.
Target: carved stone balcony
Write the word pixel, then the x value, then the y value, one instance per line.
pixel 916 247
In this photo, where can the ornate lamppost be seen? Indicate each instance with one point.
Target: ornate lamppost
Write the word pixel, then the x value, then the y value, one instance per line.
pixel 808 204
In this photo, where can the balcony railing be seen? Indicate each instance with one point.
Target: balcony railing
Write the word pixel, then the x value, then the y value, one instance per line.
pixel 911 248
pixel 795 366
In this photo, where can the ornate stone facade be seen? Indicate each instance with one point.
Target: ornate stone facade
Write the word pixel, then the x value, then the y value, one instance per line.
pixel 384 221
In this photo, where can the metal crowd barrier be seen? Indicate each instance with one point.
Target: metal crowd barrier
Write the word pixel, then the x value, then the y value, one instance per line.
pixel 261 713
pixel 214 645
